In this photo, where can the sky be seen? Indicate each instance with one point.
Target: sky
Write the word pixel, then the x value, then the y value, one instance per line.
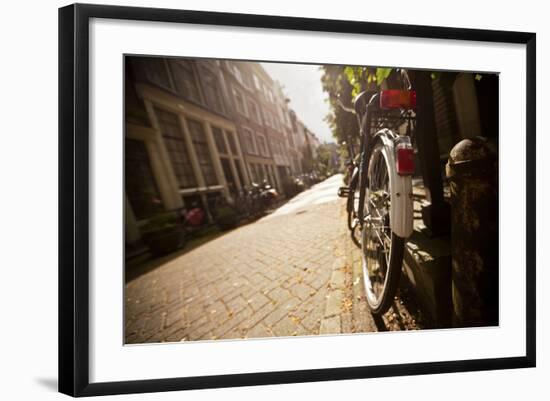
pixel 302 85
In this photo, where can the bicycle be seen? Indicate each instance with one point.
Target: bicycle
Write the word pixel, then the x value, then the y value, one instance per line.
pixel 383 210
pixel 350 192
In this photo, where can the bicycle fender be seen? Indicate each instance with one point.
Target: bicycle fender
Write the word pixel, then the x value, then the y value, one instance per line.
pixel 401 213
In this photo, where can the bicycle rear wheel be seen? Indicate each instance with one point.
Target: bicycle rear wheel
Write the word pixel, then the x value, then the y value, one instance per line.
pixel 382 250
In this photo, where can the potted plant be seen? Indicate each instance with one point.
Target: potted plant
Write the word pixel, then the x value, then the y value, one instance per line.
pixel 163 234
pixel 226 217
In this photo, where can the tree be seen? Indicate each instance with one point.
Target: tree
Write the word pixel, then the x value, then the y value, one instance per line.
pixel 342 124
pixel 323 162
pixel 343 83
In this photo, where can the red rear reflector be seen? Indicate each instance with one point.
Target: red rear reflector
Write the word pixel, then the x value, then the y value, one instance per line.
pixel 397 99
pixel 404 160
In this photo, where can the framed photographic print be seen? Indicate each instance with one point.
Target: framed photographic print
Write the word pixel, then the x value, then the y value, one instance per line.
pixel 251 199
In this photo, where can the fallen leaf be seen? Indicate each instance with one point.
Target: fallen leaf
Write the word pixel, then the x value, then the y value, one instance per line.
pixel 295 319
pixel 347 304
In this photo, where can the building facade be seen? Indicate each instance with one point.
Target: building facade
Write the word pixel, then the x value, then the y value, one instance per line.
pixel 200 129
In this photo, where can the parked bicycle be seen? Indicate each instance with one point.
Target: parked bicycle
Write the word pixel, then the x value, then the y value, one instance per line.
pixel 255 200
pixel 350 192
pixel 379 193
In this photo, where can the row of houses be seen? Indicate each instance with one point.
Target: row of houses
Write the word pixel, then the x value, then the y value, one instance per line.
pixel 198 129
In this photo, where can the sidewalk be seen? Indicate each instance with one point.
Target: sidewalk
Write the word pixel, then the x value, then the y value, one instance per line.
pixel 269 278
pixel 295 272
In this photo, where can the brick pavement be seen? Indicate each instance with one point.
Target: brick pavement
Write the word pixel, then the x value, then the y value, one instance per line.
pixel 288 275
pixel 282 276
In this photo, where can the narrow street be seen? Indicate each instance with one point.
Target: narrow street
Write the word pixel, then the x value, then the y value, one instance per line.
pixel 294 272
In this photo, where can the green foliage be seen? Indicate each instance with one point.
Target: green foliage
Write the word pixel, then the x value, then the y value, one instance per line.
pixel 382 74
pixel 344 83
pixel 160 222
pixel 336 82
pixel 225 211
pixel 226 217
pixel 324 163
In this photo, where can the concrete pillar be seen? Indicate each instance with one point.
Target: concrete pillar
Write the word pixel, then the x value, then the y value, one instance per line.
pixel 473 175
pixel 168 194
pixel 162 164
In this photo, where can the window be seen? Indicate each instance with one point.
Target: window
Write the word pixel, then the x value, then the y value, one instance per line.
pixel 247 82
pixel 156 72
pixel 249 141
pixel 203 153
pixel 177 149
pixel 239 102
pixel 267 117
pixel 270 95
pixel 278 147
pixel 265 172
pixel 212 91
pixel 237 73
pixel 262 146
pixel 219 139
pixel 140 186
pixel 186 80
pixel 257 83
pixel 253 109
pixel 252 172
pixel 228 173
pixel 232 143
pixel 261 114
pixel 275 122
pixel 284 116
pixel 258 172
pixel 290 140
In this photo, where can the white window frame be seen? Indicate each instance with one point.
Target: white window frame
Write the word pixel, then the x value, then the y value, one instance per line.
pixel 237 73
pixel 253 138
pixel 255 116
pixel 265 151
pixel 257 82
pixel 243 112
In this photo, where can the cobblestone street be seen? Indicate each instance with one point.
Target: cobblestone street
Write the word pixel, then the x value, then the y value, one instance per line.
pixel 295 272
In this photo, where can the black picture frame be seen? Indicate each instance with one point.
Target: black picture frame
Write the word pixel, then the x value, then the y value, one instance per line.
pixel 74 198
